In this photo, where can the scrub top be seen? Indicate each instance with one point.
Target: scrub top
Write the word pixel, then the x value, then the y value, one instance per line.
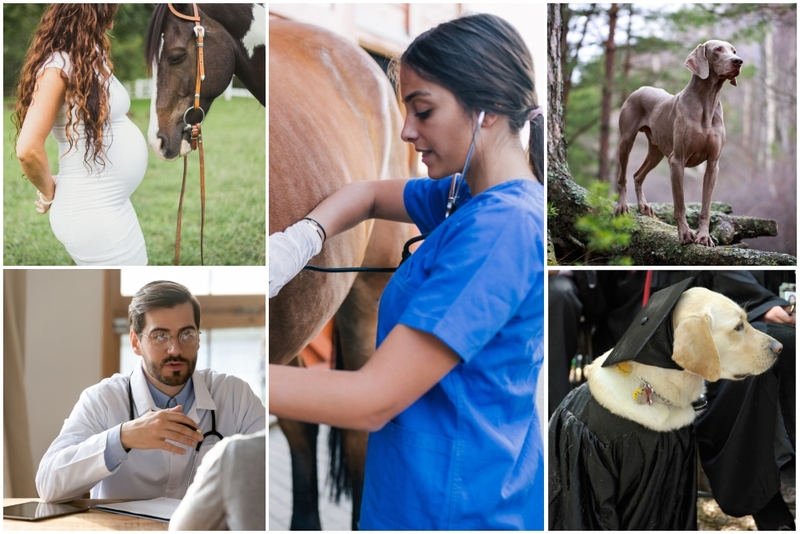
pixel 468 454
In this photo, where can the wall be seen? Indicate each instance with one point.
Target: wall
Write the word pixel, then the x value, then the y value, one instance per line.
pixel 63 340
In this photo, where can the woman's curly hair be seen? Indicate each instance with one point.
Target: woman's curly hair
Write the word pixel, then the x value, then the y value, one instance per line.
pixel 78 30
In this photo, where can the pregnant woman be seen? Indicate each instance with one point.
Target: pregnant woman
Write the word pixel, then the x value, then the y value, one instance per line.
pixel 67 87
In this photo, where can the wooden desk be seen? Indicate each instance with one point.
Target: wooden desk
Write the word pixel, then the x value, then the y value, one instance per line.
pixel 91 520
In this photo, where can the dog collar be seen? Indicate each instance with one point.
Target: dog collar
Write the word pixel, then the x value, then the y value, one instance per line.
pixel 646 395
pixel 700 403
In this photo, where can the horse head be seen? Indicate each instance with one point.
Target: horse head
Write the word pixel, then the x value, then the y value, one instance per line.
pixel 171 53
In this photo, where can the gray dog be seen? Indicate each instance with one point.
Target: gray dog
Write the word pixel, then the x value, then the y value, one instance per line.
pixel 687 128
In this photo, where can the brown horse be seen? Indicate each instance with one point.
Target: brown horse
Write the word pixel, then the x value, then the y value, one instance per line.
pixel 333 119
pixel 234 44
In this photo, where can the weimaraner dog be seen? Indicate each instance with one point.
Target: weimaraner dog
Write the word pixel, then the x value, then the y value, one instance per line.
pixel 687 128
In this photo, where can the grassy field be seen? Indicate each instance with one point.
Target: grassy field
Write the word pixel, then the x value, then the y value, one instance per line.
pixel 235 161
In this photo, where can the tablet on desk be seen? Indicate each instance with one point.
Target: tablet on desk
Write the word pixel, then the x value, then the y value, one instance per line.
pixel 34 511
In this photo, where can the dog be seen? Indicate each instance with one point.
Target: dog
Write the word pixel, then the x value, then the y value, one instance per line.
pixel 622 446
pixel 686 128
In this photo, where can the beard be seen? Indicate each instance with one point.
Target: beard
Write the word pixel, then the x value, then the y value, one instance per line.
pixel 171 378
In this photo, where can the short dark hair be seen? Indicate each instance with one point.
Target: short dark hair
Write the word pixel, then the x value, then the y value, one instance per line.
pixel 159 294
pixel 484 62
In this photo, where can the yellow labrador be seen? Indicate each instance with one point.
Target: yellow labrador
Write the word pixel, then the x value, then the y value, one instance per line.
pixel 712 341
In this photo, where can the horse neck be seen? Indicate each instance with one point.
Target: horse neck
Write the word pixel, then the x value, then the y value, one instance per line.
pixel 249 69
pixel 248 73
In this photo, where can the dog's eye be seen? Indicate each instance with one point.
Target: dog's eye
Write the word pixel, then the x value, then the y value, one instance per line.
pixel 739 327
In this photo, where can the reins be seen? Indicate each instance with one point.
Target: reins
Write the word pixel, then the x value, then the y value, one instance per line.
pixel 196 133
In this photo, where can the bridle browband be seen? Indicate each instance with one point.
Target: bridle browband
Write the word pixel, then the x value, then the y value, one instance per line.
pixel 196 133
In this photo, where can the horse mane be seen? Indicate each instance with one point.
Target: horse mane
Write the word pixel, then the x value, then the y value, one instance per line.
pixel 153 38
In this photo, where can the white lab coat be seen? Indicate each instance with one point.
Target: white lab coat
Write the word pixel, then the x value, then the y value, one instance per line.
pixel 75 463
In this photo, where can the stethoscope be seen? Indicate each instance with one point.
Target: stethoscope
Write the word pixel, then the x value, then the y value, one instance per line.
pixel 458 178
pixel 212 432
pixel 452 199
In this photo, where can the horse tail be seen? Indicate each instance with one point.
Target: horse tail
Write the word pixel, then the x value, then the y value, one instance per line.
pixel 338 472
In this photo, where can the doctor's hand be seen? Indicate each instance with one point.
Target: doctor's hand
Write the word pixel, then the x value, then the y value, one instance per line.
pixel 289 251
pixel 151 430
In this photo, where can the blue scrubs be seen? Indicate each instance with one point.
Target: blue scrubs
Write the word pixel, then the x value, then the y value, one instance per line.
pixel 468 454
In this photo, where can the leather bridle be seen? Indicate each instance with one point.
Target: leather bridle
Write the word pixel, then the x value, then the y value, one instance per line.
pixel 196 132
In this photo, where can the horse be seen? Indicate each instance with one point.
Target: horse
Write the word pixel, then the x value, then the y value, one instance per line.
pixel 333 119
pixel 234 44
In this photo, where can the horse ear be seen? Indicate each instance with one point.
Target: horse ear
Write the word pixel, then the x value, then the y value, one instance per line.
pixel 697 62
pixel 694 349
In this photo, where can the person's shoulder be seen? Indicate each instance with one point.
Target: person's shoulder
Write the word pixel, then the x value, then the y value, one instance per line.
pixel 215 379
pixel 115 383
pixel 59 60
pixel 508 208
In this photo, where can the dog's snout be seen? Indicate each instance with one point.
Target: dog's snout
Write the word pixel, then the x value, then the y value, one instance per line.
pixel 775 347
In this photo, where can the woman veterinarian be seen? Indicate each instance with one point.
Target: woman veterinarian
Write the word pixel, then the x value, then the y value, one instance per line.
pixel 449 393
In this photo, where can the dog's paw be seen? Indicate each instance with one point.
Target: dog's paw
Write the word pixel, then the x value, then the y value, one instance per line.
pixel 705 240
pixel 621 209
pixel 686 236
pixel 646 209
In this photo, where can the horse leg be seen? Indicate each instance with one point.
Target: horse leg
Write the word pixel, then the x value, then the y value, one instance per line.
pixel 302 438
pixel 356 326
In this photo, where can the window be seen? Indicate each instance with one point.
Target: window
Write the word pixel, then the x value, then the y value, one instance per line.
pixel 233 304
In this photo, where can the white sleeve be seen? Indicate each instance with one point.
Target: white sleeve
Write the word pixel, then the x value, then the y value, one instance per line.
pixel 252 414
pixel 75 461
pixel 203 506
pixel 59 60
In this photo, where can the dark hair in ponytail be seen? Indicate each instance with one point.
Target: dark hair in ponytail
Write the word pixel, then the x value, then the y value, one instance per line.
pixel 484 62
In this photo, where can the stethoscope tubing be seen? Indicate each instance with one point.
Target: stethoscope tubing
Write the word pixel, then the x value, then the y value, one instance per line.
pixel 212 432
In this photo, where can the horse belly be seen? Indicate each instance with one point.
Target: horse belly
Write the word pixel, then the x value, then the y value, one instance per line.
pixel 332 121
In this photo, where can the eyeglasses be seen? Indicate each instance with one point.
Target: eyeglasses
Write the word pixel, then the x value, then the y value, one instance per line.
pixel 162 340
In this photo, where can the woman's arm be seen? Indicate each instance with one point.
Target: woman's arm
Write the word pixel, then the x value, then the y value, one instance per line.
pixel 359 201
pixel 48 98
pixel 404 368
pixel 290 250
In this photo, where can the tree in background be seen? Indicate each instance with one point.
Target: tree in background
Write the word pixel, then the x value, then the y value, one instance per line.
pixel 127 40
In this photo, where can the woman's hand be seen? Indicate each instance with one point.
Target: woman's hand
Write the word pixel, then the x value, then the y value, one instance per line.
pixel 779 315
pixel 289 251
pixel 43 204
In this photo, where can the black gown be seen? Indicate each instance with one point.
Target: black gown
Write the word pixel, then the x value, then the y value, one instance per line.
pixel 609 473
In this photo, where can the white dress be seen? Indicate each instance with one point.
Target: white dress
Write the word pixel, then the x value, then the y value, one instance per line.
pixel 92 214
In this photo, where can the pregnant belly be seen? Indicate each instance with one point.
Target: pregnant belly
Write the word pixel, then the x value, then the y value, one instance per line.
pixel 113 184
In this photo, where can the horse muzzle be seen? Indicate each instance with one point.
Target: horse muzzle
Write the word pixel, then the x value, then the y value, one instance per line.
pixel 171 152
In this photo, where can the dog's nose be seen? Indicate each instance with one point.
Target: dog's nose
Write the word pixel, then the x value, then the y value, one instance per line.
pixel 775 347
pixel 737 61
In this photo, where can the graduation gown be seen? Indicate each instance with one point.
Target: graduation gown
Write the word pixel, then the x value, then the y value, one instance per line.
pixel 610 473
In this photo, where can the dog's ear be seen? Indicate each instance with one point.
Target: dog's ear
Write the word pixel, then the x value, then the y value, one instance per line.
pixel 697 62
pixel 694 349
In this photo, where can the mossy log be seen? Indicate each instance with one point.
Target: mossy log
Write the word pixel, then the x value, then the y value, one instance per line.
pixel 652 241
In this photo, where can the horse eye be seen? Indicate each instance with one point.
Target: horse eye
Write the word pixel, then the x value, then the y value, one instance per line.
pixel 173 60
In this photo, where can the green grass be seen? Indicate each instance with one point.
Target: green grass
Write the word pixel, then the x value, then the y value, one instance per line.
pixel 235 228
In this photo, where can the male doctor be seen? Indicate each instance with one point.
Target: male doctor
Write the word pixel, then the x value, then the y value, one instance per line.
pixel 134 436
